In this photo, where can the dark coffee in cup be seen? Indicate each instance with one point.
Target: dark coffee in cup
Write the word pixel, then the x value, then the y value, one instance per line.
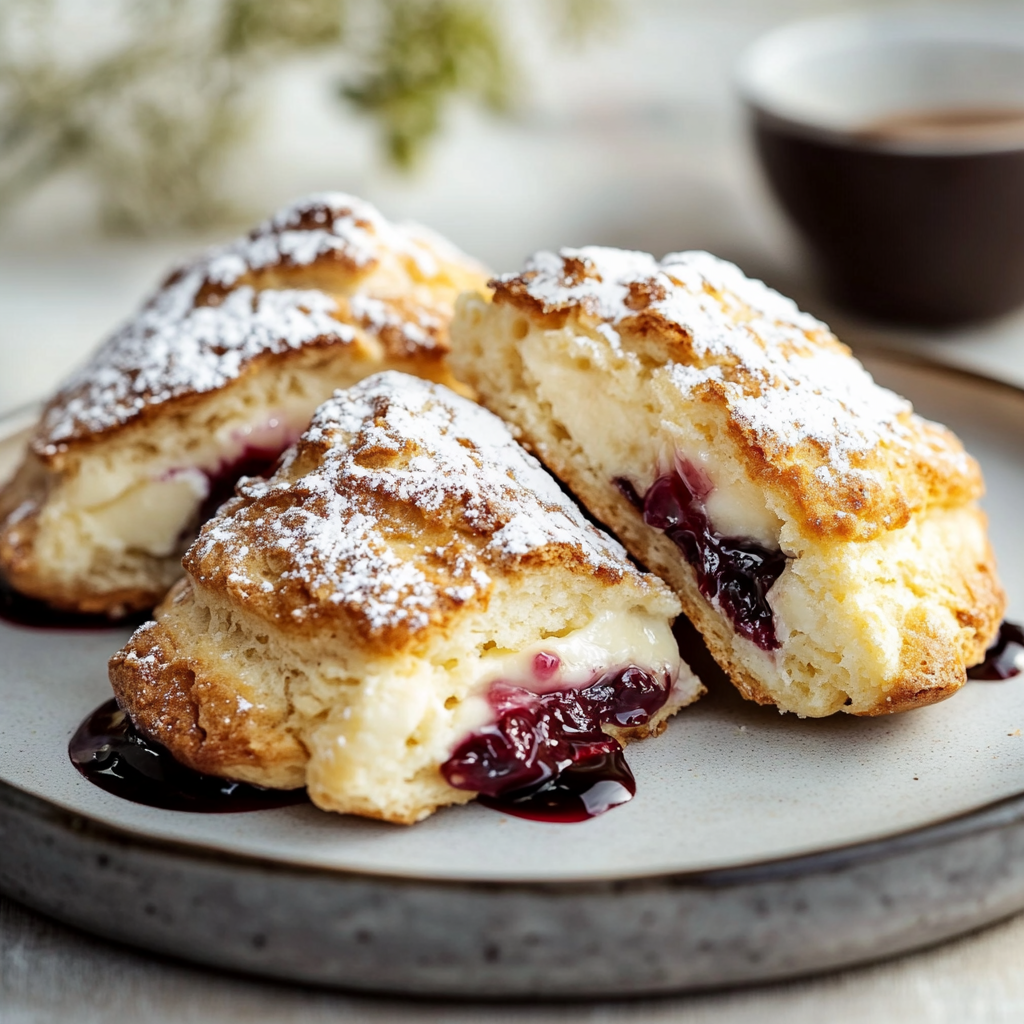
pixel 896 144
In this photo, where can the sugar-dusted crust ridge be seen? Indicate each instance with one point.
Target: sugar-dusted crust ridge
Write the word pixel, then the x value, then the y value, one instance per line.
pixel 298 279
pixel 851 459
pixel 397 507
pixel 338 619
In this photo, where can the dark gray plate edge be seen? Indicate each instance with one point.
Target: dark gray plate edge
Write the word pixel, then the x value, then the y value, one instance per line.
pixel 946 367
pixel 1007 812
pixel 485 939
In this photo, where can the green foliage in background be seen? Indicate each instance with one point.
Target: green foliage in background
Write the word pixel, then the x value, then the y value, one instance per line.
pixel 427 53
pixel 169 88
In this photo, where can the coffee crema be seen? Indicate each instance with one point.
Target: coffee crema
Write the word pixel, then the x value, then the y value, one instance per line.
pixel 951 126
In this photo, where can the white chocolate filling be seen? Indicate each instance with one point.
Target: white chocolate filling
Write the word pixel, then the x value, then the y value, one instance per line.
pixel 612 640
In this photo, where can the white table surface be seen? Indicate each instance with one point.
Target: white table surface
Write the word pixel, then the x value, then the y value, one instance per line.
pixel 619 159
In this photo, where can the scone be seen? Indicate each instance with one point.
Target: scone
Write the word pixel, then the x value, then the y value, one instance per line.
pixel 407 613
pixel 825 539
pixel 215 376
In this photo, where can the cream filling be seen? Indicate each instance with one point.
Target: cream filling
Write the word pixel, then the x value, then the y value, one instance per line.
pixel 359 747
pixel 150 516
pixel 740 511
pixel 611 640
pixel 626 433
pixel 734 504
pixel 118 511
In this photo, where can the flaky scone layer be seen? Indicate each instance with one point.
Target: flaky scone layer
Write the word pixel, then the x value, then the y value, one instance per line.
pixel 340 622
pixel 617 368
pixel 232 354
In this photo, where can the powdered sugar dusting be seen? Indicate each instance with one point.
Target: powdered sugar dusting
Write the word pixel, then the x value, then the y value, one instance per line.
pixel 173 348
pixel 187 339
pixel 326 223
pixel 417 330
pixel 785 379
pixel 384 465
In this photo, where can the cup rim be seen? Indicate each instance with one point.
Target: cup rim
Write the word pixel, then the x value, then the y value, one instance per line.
pixel 999 25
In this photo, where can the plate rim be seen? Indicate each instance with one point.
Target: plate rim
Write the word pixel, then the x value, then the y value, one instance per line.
pixel 990 816
pixel 993 816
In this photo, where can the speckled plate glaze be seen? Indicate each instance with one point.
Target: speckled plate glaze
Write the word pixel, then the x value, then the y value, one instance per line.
pixel 758 846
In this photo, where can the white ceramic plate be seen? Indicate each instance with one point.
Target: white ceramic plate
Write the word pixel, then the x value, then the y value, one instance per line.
pixel 730 784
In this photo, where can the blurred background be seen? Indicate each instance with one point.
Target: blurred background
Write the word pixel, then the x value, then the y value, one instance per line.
pixel 133 132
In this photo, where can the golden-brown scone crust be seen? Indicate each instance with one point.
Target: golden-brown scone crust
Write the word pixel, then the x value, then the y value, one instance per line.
pixel 338 620
pixel 254 332
pixel 850 459
pixel 612 364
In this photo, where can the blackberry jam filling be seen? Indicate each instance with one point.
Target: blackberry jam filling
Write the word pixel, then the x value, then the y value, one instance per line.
pixel 734 572
pixel 545 756
pixel 253 461
pixel 1005 658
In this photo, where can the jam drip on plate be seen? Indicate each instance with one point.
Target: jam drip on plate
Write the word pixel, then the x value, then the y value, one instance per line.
pixel 1005 658
pixel 112 754
pixel 733 572
pixel 581 791
pixel 546 756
